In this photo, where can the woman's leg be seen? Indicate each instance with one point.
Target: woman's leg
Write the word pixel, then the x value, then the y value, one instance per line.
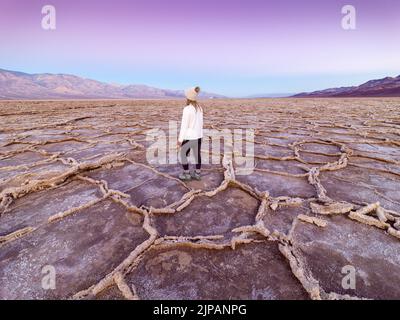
pixel 187 145
pixel 198 160
pixel 196 146
pixel 185 149
pixel 184 153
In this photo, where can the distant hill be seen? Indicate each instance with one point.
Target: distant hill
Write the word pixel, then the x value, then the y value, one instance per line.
pixel 386 87
pixel 19 85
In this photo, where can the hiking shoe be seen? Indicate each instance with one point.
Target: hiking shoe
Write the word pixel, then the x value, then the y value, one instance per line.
pixel 185 176
pixel 196 175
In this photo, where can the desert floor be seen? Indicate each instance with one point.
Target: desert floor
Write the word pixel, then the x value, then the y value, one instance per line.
pixel 77 194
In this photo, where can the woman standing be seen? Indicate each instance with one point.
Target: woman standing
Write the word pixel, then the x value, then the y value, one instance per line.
pixel 191 134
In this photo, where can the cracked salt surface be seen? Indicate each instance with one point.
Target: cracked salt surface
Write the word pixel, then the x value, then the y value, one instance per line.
pixel 77 192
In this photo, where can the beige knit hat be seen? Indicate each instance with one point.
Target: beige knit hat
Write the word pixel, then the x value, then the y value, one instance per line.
pixel 192 93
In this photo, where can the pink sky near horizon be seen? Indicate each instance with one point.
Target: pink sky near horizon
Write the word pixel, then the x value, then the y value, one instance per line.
pixel 173 43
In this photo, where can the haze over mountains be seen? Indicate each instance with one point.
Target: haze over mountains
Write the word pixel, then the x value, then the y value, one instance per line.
pixel 45 86
pixel 19 85
pixel 386 87
pixel 269 95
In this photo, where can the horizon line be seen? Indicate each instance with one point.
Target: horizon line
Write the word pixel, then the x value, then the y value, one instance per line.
pixel 271 95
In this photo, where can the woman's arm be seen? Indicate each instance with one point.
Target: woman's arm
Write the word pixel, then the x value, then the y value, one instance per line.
pixel 184 125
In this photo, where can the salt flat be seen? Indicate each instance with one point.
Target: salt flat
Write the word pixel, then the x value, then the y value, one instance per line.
pixel 77 193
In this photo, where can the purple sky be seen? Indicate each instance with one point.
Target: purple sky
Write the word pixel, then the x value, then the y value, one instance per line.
pixel 227 46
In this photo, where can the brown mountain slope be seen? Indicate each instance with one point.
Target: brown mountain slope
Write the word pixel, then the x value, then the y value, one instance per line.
pixel 386 87
pixel 19 85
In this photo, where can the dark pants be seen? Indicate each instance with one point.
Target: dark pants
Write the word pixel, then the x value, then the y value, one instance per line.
pixel 188 145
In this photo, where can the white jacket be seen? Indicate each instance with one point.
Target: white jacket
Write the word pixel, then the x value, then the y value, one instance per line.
pixel 192 124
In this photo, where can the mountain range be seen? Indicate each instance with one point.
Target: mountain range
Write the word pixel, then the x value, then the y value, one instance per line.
pixel 386 87
pixel 25 86
pixel 46 86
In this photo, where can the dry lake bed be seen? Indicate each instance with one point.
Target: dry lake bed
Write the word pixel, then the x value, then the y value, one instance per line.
pixel 85 215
